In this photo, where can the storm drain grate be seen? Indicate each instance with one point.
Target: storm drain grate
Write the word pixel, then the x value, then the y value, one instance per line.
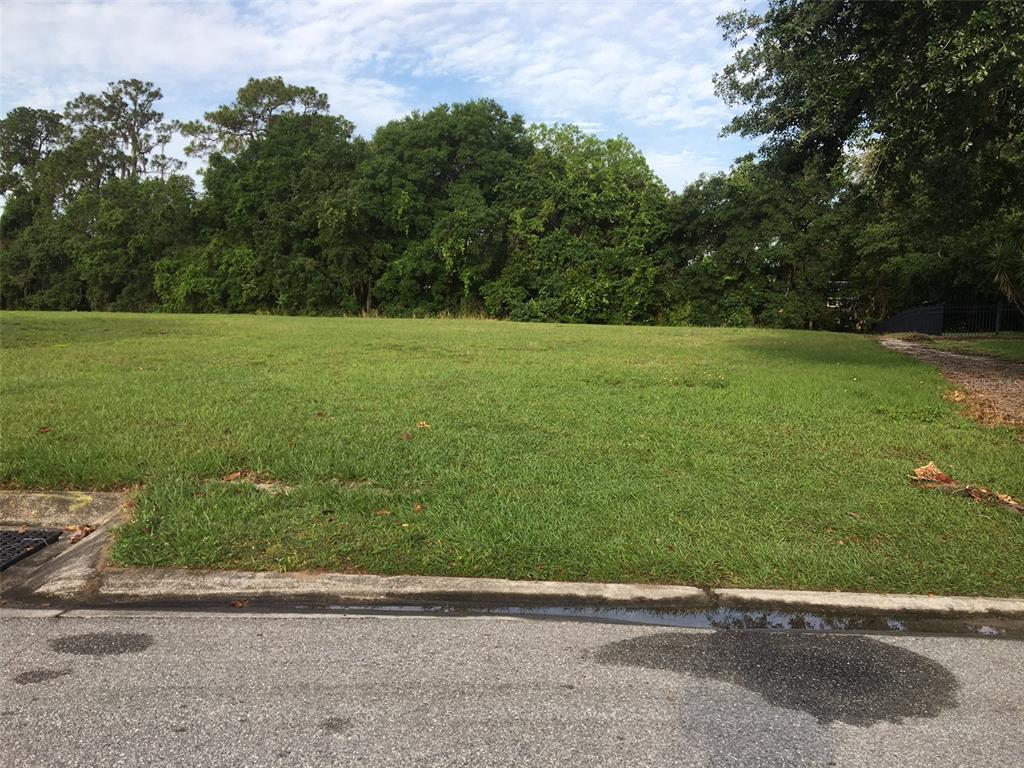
pixel 16 544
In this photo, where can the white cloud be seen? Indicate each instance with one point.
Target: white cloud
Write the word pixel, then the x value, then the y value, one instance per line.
pixel 622 66
pixel 653 67
pixel 193 49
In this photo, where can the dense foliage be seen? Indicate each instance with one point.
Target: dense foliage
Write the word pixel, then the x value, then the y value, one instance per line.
pixel 891 173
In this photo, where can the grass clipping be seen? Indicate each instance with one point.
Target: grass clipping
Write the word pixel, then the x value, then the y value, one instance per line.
pixel 930 476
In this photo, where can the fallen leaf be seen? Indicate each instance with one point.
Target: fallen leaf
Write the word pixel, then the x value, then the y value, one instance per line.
pixel 43 430
pixel 931 476
pixel 417 507
pixel 78 532
pixel 931 473
pixel 382 512
pixel 239 603
pixel 406 436
pixel 423 425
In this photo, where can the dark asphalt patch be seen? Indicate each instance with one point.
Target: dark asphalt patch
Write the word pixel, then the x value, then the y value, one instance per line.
pixel 102 643
pixel 40 676
pixel 337 724
pixel 856 680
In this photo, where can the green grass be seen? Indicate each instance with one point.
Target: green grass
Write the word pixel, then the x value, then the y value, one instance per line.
pixel 1011 348
pixel 700 456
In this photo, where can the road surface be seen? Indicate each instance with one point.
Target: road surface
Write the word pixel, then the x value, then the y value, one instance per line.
pixel 242 689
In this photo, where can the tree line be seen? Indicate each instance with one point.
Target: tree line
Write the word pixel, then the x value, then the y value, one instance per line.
pixel 891 173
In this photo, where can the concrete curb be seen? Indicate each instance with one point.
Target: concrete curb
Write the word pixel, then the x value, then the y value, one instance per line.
pixel 163 584
pixel 867 602
pixel 78 574
pixel 138 585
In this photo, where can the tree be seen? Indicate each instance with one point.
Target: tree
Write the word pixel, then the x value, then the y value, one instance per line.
pixel 914 79
pixel 83 225
pixel 27 137
pixel 263 212
pixel 924 99
pixel 586 229
pixel 754 247
pixel 37 269
pixel 436 177
pixel 124 125
pixel 352 237
pixel 1006 264
pixel 117 235
pixel 230 128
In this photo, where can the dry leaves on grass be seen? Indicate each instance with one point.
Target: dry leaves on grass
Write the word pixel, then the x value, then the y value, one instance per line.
pixel 256 480
pixel 992 390
pixel 930 476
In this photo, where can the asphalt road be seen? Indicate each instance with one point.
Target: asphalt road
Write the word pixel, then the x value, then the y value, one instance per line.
pixel 238 689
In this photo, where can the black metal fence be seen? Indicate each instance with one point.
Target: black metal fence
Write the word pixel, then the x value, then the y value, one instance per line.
pixel 956 320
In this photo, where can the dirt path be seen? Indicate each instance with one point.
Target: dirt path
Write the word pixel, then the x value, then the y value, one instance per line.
pixel 992 388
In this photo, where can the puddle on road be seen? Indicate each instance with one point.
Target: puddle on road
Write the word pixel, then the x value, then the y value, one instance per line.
pixel 34 676
pixel 102 643
pixel 337 724
pixel 853 679
pixel 713 618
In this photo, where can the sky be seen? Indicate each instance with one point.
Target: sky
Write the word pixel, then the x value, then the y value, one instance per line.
pixel 642 69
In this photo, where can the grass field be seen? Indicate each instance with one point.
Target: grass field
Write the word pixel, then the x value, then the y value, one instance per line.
pixel 1009 348
pixel 700 456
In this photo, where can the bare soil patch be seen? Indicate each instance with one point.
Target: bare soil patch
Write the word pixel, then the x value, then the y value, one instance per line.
pixel 992 389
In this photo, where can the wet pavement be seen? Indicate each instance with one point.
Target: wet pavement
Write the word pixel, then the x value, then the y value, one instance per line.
pixel 846 678
pixel 247 689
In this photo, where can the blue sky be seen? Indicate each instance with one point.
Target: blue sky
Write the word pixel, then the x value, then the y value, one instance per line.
pixel 640 69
